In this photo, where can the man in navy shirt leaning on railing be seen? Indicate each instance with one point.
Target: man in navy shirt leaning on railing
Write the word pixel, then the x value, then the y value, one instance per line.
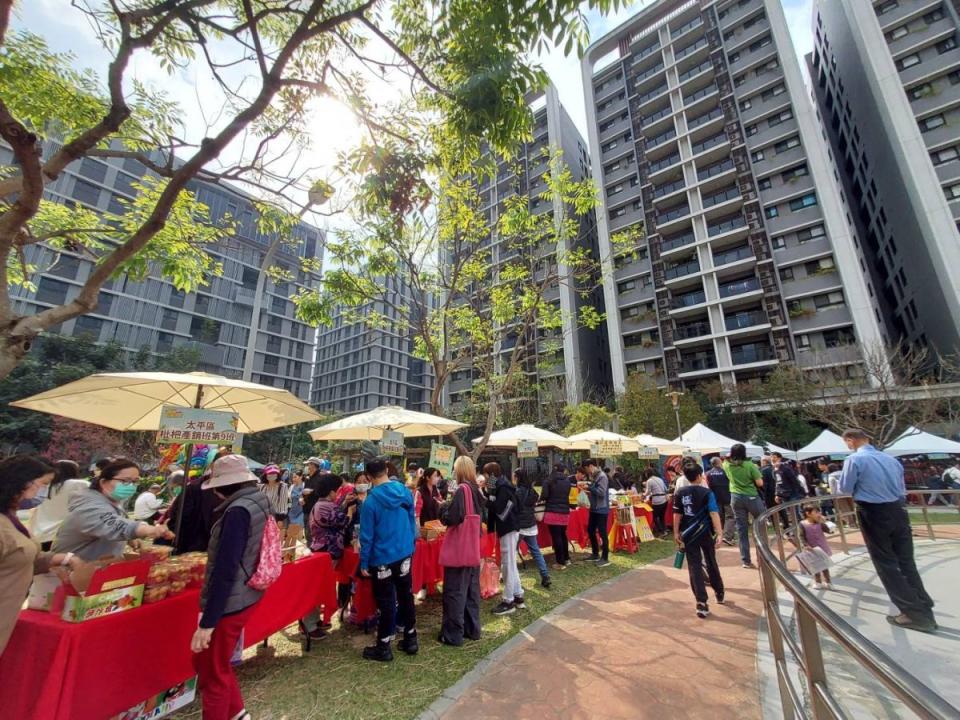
pixel 876 482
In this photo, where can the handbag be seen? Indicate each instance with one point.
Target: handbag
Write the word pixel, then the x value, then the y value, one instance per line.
pixel 461 543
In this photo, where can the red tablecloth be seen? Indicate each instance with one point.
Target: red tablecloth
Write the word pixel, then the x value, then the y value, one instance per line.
pixel 55 670
pixel 577 528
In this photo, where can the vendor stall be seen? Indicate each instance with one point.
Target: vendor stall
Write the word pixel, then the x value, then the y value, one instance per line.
pixel 93 670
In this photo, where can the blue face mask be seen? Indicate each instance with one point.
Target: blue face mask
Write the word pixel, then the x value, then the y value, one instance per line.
pixel 123 491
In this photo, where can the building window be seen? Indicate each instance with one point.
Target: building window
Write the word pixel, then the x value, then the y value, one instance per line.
pixel 933 16
pixel 618 188
pixel 794 173
pixel 829 300
pixel 897 33
pixel 953 192
pixel 778 243
pixel 786 274
pixel 52 291
pixel 811 233
pixel 780 118
pixel 618 212
pixel 885 7
pixel 806 201
pixel 787 144
pixel 86 193
pixel 756 155
pixel 626 286
pixel 771 212
pixel 774 91
pixel 803 342
pixel 944 156
pixel 815 267
pixel 908 61
pixel 838 337
pixel 932 122
pixel 750 130
pixel 946 45
pixel 746 104
pixel 764 184
pixel 921 91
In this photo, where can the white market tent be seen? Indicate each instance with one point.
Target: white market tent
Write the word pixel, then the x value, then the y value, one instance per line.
pixel 509 437
pixel 703 439
pixel 663 446
pixel 916 442
pixel 826 443
pixel 789 454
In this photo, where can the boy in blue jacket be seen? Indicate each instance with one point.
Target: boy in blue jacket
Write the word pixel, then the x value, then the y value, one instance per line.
pixel 388 534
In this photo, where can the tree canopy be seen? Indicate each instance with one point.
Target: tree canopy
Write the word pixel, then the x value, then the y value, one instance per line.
pixel 645 408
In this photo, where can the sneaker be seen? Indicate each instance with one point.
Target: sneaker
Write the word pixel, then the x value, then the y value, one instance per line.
pixel 545 581
pixel 603 563
pixel 721 598
pixel 592 558
pixel 410 644
pixel 816 586
pixel 748 565
pixel 728 542
pixel 519 604
pixel 702 610
pixel 504 608
pixel 925 625
pixel 318 634
pixel 381 652
pixel 558 566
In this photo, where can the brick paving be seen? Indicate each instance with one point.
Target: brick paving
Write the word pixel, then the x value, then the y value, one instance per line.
pixel 632 648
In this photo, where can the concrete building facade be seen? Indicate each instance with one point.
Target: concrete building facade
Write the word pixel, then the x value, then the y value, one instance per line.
pixel 886 78
pixel 702 133
pixel 360 368
pixel 152 314
pixel 572 364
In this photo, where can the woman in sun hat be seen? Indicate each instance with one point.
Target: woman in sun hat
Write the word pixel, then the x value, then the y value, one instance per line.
pixel 277 492
pixel 226 601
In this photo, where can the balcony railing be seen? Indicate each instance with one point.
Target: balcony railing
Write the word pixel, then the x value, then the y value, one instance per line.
pixel 739 287
pixel 695 70
pixel 662 113
pixel 715 169
pixel 726 225
pixel 652 94
pixel 661 190
pixel 710 142
pixel 730 256
pixel 673 214
pixel 744 320
pixel 677 271
pixel 661 138
pixel 677 241
pixel 688 299
pixel 648 73
pixel 685 27
pixel 691 330
pixel 702 93
pixel 705 118
pixel 699 362
pixel 680 54
pixel 646 52
pixel 721 197
pixel 664 162
pixel 751 353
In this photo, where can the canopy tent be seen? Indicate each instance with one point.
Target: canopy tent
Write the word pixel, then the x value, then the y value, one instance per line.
pixel 914 441
pixel 706 441
pixel 826 443
pixel 788 454
pixel 663 446
pixel 584 440
pixel 509 437
pixel 133 401
pixel 371 424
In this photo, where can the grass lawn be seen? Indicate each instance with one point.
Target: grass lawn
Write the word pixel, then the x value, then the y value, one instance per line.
pixel 936 516
pixel 332 680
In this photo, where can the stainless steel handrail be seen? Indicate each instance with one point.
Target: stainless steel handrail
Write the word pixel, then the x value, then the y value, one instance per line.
pixel 812 615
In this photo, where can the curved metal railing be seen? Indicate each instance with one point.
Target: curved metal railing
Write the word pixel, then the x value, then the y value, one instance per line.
pixel 812 617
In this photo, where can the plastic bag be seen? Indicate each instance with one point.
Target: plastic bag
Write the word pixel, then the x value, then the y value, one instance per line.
pixel 489 578
pixel 583 499
pixel 814 561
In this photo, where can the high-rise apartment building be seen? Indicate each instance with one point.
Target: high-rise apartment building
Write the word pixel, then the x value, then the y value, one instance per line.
pixel 886 75
pixel 702 131
pixel 152 314
pixel 569 365
pixel 361 367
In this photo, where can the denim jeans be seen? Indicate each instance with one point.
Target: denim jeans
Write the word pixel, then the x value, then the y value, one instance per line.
pixel 533 546
pixel 744 506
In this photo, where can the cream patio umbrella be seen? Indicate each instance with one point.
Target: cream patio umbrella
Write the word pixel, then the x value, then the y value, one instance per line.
pixel 663 446
pixel 133 401
pixel 509 437
pixel 584 440
pixel 371 424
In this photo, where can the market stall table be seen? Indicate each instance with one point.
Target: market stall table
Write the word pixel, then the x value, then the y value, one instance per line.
pixel 55 670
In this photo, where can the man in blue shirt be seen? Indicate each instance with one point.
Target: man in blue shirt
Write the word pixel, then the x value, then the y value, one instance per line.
pixel 876 482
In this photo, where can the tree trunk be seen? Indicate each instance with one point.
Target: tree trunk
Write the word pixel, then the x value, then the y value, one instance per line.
pixel 13 348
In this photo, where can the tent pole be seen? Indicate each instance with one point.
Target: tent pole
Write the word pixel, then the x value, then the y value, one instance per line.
pixel 187 452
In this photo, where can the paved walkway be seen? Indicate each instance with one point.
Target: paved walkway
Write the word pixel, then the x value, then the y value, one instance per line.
pixel 631 648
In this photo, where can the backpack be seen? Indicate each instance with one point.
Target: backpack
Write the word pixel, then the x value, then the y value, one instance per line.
pixel 270 562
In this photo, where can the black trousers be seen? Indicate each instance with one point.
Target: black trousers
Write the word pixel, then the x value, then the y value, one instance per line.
pixel 702 555
pixel 659 518
pixel 561 546
pixel 393 593
pixel 461 604
pixel 598 526
pixel 886 532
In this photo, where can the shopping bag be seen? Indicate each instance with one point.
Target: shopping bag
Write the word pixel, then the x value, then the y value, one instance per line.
pixel 583 499
pixel 489 579
pixel 814 561
pixel 461 543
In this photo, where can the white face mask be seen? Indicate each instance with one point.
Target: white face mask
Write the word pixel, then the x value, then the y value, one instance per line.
pixel 362 487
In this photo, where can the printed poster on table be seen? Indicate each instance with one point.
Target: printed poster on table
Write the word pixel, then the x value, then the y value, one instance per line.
pixel 162 704
pixel 442 457
pixel 189 426
pixel 527 449
pixel 391 443
pixel 648 453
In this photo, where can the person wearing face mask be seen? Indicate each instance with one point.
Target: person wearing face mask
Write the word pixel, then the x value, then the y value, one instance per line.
pixel 226 600
pixel 21 478
pixel 428 497
pixel 96 525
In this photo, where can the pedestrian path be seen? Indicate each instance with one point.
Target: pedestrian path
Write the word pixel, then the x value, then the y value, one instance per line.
pixel 630 648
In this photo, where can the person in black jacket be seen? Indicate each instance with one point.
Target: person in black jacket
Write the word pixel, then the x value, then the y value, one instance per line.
pixel 502 513
pixel 769 481
pixel 313 477
pixel 556 493
pixel 527 499
pixel 788 485
pixel 461 585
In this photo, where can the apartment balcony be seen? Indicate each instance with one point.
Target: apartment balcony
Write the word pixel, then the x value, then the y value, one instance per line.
pixel 666 219
pixel 792 220
pixel 628 269
pixel 682 270
pixel 630 217
pixel 682 30
pixel 745 320
pixel 643 321
pixel 733 256
pixel 894 17
pixel 642 293
pixel 669 188
pixel 245 296
pixel 708 118
pixel 659 140
pixel 692 331
pixel 786 190
pixel 692 72
pixel 649 350
pixel 769 135
pixel 942 135
pixel 811 284
pixel 726 225
pixel 640 81
pixel 780 161
pixel 809 320
pixel 694 99
pixel 755 84
pixel 640 55
pixel 752 354
pixel 654 117
pixel 738 14
pixel 826 357
pixel 711 142
pixel 743 38
pixel 722 168
pixel 616 128
pixel 621 173
pixel 649 95
pixel 669 244
pixel 693 50
pixel 623 147
pixel 683 305
pixel 697 363
pixel 739 287
pixel 808 250
pixel 662 164
pixel 720 198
